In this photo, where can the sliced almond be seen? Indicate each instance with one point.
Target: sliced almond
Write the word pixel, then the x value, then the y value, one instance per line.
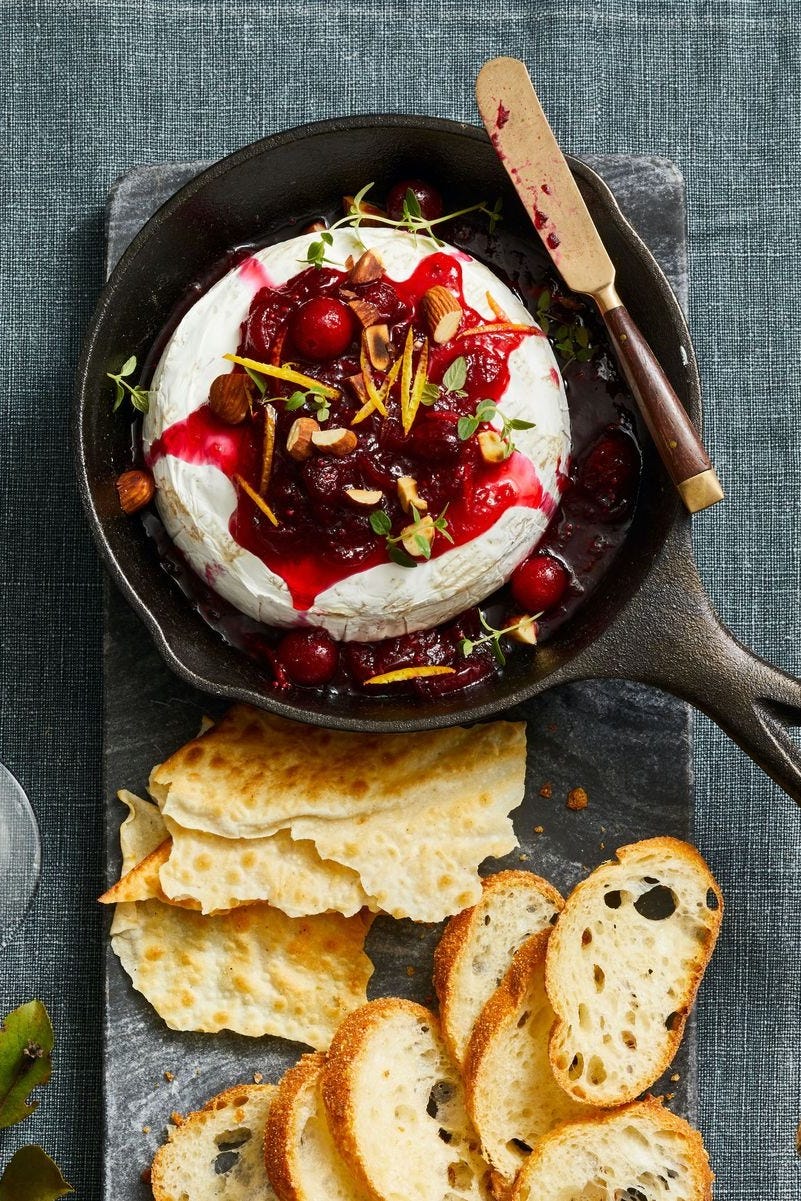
pixel 358 387
pixel 415 535
pixel 367 497
pixel 492 446
pixel 366 312
pixel 409 496
pixel 442 313
pixel 378 346
pixel 299 439
pixel 338 441
pixel 526 629
pixel 367 269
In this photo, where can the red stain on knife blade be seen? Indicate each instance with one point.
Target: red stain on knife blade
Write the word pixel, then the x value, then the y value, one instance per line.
pixel 503 115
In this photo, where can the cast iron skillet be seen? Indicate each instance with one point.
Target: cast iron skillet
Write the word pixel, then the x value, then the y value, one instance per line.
pixel 650 619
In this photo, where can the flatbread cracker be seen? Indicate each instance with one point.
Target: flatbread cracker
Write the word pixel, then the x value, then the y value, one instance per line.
pixel 253 772
pixel 254 970
pixel 221 873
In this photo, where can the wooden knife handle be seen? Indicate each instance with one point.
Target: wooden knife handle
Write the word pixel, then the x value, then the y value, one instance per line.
pixel 674 434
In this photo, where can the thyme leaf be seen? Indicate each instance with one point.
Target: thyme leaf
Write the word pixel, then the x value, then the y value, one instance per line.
pixel 140 397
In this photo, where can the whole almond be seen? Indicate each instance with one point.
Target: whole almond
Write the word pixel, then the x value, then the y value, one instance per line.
pixel 231 396
pixel 338 441
pixel 135 489
pixel 367 269
pixel 442 313
pixel 299 439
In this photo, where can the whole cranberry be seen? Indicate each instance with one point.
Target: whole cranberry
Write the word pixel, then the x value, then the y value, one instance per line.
pixel 309 657
pixel 539 583
pixel 322 328
pixel 428 198
pixel 434 439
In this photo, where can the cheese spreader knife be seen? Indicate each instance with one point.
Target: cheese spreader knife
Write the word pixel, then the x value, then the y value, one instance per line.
pixel 529 152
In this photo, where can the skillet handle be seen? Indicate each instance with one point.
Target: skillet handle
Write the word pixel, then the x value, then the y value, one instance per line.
pixel 684 648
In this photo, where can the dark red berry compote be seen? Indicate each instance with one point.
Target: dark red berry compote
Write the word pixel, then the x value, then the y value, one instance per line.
pixel 362 454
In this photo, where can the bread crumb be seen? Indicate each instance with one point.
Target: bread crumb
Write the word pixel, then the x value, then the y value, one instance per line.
pixel 257 1077
pixel 546 791
pixel 410 970
pixel 168 1076
pixel 145 1130
pixel 602 846
pixel 539 829
pixel 176 1118
pixel 669 1096
pixel 577 799
pixel 523 858
pixel 675 1077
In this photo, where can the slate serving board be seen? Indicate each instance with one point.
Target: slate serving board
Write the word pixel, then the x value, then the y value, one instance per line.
pixel 626 745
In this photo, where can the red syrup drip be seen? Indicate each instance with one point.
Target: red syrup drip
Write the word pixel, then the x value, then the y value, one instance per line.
pixel 254 272
pixel 321 539
pixel 503 115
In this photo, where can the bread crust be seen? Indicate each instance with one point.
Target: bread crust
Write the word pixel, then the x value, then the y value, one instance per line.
pixel 234 1098
pixel 456 940
pixel 626 857
pixel 648 1108
pixel 279 1134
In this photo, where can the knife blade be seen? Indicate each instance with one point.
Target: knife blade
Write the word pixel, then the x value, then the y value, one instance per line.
pixel 531 156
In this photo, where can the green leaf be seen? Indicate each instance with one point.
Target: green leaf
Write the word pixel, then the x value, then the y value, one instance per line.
pixel 31 1175
pixel 327 237
pixel 486 410
pixel 295 401
pixel 411 204
pixel 119 394
pixel 140 400
pixel 129 366
pixel 466 427
pixel 430 393
pixel 454 378
pixel 258 380
pixel 584 356
pixel 423 545
pixel 545 324
pixel 500 657
pixel 581 335
pixel 562 332
pixel 26 1040
pixel 517 423
pixel 380 522
pixel 399 556
pixel 544 301
pixel 466 646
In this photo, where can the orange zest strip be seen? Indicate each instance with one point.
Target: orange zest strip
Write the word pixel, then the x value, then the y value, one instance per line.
pixel 287 373
pixel 410 673
pixel 383 394
pixel 369 380
pixel 406 382
pixel 502 327
pixel 496 308
pixel 257 500
pixel 420 377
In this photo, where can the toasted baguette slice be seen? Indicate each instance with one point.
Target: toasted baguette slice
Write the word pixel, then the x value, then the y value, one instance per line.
pixel 478 946
pixel 510 1091
pixel 395 1107
pixel 217 1152
pixel 641 1152
pixel 623 966
pixel 303 1163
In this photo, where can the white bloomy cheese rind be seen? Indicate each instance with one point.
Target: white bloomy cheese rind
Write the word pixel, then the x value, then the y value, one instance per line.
pixel 196 501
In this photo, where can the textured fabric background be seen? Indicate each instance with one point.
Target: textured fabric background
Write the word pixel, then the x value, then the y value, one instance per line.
pixel 88 90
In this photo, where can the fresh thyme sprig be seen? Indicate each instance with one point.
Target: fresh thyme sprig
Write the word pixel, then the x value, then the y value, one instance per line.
pixel 493 636
pixel 412 218
pixel 420 535
pixel 571 339
pixel 298 399
pixel 315 254
pixel 487 411
pixel 140 397
pixel 452 383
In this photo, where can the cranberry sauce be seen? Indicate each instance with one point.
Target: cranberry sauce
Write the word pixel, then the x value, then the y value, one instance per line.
pixel 590 520
pixel 323 535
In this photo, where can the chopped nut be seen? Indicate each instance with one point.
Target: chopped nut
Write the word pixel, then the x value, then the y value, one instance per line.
pixel 546 791
pixel 418 536
pixel 442 313
pixel 364 207
pixel 145 1130
pixel 334 442
pixel 257 1077
pixel 539 829
pixel 169 1077
pixel 492 446
pixel 366 312
pixel 358 387
pixel 675 1078
pixel 409 496
pixel 378 346
pixel 364 497
pixel 525 629
pixel 367 269
pixel 314 227
pixel 230 397
pixel 410 970
pixel 299 439
pixel 577 799
pixel 135 490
